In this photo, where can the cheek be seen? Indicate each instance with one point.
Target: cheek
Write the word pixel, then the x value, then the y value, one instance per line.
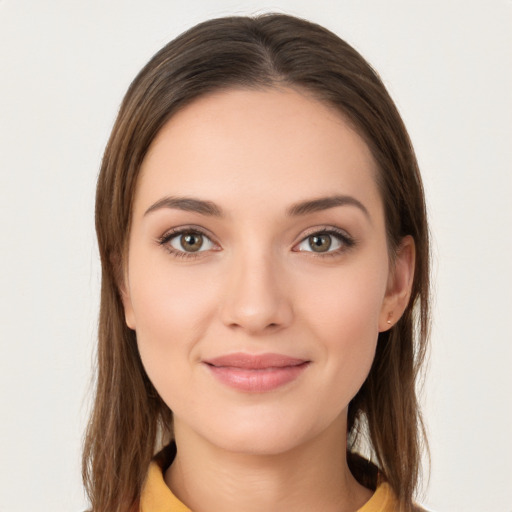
pixel 344 317
pixel 172 312
pixel 346 300
pixel 166 301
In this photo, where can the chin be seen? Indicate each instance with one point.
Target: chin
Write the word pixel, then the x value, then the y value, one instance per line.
pixel 265 434
pixel 259 443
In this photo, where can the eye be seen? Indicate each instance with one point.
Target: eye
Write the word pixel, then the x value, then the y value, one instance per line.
pixel 325 242
pixel 189 241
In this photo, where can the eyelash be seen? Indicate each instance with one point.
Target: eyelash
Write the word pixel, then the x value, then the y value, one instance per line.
pixel 347 242
pixel 174 233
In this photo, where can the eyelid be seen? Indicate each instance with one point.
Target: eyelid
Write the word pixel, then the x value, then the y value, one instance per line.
pixel 324 228
pixel 347 240
pixel 181 230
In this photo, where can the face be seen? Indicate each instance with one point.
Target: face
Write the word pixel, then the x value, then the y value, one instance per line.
pixel 258 275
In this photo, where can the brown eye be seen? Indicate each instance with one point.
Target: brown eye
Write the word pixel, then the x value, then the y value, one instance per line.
pixel 190 241
pixel 327 242
pixel 320 243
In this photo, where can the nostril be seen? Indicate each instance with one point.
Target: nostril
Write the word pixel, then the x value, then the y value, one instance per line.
pixel 255 305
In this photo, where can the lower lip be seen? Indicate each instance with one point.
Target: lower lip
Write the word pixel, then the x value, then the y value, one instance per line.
pixel 258 380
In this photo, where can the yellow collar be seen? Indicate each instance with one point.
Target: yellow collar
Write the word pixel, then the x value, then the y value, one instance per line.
pixel 157 497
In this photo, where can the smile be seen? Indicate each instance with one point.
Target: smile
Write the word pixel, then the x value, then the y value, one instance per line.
pixel 256 373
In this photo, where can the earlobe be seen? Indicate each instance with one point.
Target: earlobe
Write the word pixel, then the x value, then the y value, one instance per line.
pixel 400 284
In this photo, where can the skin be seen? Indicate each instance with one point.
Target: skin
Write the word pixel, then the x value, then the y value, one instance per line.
pixel 256 286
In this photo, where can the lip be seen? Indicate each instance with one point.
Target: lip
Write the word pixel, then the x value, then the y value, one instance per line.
pixel 256 373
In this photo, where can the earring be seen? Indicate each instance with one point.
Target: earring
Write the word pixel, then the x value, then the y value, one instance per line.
pixel 389 317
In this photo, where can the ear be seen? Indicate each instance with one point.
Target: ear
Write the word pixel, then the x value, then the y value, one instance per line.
pixel 399 286
pixel 129 314
pixel 123 285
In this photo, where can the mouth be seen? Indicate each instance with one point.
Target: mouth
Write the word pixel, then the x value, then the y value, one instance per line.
pixel 256 373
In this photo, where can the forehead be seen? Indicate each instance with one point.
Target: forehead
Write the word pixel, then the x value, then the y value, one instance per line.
pixel 272 145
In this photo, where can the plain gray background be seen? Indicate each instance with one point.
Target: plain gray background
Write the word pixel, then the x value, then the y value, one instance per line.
pixel 65 65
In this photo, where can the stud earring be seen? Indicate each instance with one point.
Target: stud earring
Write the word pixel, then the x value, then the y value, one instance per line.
pixel 389 317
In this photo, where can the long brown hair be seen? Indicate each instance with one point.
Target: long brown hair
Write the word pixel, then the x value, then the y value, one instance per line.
pixel 130 422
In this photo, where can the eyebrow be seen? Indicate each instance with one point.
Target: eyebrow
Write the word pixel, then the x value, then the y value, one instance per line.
pixel 188 204
pixel 209 208
pixel 324 203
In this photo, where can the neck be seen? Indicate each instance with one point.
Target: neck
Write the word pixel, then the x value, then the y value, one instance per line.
pixel 313 476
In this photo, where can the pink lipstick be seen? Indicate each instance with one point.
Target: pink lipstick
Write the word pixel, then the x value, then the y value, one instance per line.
pixel 256 373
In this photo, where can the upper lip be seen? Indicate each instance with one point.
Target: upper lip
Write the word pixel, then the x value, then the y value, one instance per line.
pixel 255 361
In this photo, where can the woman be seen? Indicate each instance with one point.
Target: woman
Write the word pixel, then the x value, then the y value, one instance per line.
pixel 264 307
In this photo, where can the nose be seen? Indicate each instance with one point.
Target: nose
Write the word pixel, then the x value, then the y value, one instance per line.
pixel 256 297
